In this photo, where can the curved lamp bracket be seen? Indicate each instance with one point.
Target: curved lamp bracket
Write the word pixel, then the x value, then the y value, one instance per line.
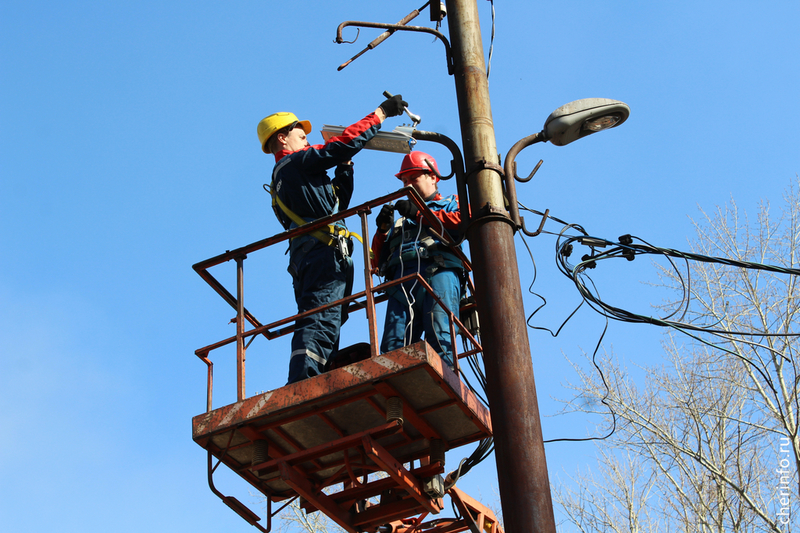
pixel 390 29
pixel 510 167
pixel 456 166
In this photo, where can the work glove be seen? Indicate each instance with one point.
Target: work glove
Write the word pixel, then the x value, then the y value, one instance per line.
pixel 394 106
pixel 407 208
pixel 385 217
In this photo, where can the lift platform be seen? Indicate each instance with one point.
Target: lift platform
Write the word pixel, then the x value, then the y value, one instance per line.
pixel 365 443
pixel 337 428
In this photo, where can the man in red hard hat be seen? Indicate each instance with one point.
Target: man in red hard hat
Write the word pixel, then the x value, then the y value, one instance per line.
pixel 405 246
pixel 302 191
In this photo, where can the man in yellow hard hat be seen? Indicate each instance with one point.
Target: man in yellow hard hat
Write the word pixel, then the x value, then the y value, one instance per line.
pixel 320 263
pixel 405 246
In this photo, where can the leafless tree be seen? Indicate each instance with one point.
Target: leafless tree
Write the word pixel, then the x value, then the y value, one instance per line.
pixel 293 519
pixel 709 440
pixel 615 500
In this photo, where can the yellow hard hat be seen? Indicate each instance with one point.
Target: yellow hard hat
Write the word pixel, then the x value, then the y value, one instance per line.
pixel 276 121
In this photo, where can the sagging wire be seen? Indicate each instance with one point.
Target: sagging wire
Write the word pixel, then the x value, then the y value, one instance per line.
pixel 486 446
pixel 542 298
pixel 491 44
pixel 408 332
pixel 475 365
pixel 565 248
pixel 566 227
pixel 484 450
pixel 604 400
pixel 625 247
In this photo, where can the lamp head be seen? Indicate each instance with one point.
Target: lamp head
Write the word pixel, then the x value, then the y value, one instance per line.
pixel 580 118
pixel 399 140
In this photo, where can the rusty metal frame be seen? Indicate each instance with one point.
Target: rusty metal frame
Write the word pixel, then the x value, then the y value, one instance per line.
pixel 383 36
pixel 366 299
pixel 475 518
pixel 391 28
pixel 475 515
pixel 237 506
pixel 308 469
pixel 399 474
pixel 298 454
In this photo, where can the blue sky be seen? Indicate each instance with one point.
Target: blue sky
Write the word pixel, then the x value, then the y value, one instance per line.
pixel 128 152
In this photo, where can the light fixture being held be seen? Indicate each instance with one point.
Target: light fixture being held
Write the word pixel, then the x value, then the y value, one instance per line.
pixel 399 140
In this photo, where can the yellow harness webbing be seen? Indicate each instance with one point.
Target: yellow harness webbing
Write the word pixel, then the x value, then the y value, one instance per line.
pixel 327 238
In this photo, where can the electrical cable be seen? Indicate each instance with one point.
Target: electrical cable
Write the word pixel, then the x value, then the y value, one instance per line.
pixel 408 330
pixel 486 446
pixel 625 247
pixel 484 450
pixel 628 249
pixel 535 270
pixel 604 400
pixel 491 44
pixel 551 217
pixel 542 298
pixel 474 365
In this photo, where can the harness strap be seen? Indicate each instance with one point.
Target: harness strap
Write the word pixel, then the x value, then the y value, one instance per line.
pixel 425 247
pixel 329 238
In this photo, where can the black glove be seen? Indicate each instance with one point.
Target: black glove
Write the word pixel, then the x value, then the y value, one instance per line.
pixel 385 217
pixel 394 106
pixel 407 208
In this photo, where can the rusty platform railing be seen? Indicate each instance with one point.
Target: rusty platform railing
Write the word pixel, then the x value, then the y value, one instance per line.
pixel 363 300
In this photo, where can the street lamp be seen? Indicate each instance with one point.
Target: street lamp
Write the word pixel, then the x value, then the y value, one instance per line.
pixel 580 118
pixel 566 124
pixel 398 141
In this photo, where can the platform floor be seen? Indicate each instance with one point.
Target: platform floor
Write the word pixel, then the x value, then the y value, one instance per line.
pixel 323 427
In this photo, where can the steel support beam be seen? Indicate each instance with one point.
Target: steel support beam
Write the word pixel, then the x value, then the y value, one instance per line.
pixel 240 346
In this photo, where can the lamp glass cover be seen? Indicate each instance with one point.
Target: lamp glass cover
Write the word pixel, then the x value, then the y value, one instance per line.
pixel 602 123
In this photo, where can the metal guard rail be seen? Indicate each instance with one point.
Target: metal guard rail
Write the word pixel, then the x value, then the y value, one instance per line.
pixel 365 299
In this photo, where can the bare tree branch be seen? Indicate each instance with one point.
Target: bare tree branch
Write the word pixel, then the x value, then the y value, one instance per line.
pixel 700 445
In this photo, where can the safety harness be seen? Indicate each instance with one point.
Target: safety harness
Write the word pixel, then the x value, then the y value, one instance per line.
pixel 408 244
pixel 336 235
pixel 328 237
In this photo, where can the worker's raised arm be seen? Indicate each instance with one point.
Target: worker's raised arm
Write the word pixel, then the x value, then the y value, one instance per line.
pixel 391 107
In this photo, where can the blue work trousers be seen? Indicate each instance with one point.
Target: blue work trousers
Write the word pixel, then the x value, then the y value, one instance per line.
pixel 411 312
pixel 320 275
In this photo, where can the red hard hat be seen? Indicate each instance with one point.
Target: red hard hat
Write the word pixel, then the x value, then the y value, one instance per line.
pixel 417 161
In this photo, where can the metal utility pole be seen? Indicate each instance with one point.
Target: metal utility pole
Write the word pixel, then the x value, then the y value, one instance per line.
pixel 519 450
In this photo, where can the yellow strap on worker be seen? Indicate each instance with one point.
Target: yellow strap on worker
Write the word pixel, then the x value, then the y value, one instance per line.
pixel 322 236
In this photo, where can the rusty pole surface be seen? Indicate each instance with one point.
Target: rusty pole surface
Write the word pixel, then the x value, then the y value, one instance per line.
pixel 519 450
